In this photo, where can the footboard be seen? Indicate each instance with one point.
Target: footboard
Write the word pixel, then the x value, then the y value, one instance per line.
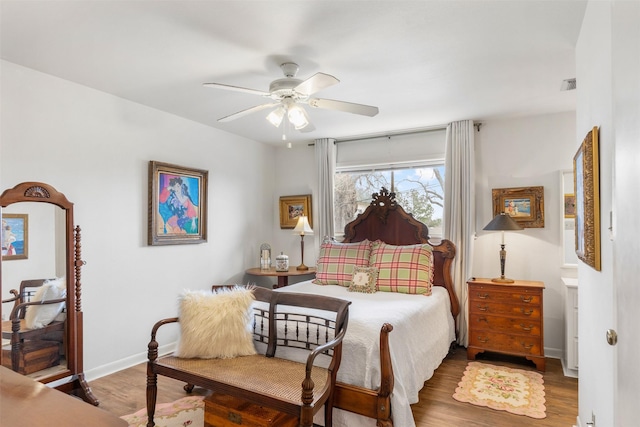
pixel 367 402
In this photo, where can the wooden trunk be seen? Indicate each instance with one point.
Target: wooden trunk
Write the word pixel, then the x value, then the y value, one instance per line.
pixel 221 410
pixel 35 356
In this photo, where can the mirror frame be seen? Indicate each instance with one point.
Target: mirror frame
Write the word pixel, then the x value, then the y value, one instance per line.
pixel 43 193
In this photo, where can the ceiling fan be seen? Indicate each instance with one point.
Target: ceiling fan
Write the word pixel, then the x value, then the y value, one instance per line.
pixel 288 95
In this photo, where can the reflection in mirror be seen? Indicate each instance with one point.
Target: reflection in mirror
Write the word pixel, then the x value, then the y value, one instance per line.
pixel 49 348
pixel 41 328
pixel 569 257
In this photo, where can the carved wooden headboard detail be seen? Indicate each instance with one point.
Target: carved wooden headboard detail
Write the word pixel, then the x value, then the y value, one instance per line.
pixel 384 219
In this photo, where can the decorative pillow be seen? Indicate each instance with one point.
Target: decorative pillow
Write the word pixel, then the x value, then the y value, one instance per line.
pixel 39 316
pixel 405 269
pixel 364 280
pixel 336 262
pixel 216 324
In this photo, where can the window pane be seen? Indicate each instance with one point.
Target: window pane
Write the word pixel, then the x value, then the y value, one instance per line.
pixel 419 190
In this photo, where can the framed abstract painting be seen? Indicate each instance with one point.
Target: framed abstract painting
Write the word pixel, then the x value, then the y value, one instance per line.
pixel 177 204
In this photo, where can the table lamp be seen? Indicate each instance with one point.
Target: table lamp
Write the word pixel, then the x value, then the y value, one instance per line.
pixel 302 228
pixel 502 222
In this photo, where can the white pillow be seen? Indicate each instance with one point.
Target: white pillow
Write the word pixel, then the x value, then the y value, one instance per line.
pixel 39 316
pixel 216 324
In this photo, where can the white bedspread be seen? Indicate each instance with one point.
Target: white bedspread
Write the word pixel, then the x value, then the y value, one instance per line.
pixel 423 330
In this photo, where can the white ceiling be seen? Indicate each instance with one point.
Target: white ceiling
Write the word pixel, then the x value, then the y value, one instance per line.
pixel 423 63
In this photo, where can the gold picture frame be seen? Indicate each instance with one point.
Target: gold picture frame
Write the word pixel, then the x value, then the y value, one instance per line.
pixel 177 204
pixel 15 236
pixel 569 205
pixel 586 175
pixel 524 204
pixel 291 207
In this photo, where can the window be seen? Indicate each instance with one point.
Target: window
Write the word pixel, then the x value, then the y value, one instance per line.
pixel 410 165
pixel 419 190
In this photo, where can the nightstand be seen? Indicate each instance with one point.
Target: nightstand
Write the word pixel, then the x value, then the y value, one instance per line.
pixel 506 318
pixel 283 276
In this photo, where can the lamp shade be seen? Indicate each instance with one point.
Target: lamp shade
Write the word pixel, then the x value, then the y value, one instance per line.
pixel 502 222
pixel 302 227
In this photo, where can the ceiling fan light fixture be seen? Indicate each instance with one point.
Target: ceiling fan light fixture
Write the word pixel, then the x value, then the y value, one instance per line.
pixel 275 117
pixel 297 117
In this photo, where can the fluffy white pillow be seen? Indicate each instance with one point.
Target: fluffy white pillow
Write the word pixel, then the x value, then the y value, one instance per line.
pixel 39 316
pixel 216 324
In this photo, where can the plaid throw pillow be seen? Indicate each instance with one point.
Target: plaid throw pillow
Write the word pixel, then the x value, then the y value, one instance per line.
pixel 405 269
pixel 337 261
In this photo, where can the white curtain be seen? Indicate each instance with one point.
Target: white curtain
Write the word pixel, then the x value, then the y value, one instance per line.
pixel 325 152
pixel 459 211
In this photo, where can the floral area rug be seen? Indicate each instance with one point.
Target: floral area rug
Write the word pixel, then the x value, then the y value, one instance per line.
pixel 185 412
pixel 516 391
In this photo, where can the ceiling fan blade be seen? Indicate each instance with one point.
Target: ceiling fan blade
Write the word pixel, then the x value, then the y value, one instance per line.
pixel 246 112
pixel 349 107
pixel 236 89
pixel 316 83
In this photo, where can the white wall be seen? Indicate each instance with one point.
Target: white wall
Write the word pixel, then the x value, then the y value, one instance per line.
pixel 523 152
pixel 296 174
pixel 95 148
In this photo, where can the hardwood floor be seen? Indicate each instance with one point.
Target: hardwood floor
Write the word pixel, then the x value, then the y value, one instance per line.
pixel 124 393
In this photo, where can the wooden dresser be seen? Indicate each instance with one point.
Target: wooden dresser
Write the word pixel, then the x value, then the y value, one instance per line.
pixel 506 318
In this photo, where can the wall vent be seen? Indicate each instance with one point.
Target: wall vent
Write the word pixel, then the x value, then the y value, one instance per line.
pixel 568 84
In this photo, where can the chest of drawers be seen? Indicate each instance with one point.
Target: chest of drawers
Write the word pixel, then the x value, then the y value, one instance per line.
pixel 506 318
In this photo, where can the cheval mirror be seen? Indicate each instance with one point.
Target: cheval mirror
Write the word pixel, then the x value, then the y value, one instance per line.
pixel 41 289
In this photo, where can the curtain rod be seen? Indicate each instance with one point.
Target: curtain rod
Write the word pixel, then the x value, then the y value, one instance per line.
pixel 399 133
pixel 391 134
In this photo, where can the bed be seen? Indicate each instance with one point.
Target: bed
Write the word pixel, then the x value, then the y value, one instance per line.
pixel 394 341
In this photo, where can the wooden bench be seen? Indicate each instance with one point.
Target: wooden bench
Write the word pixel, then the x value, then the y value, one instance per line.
pixel 306 329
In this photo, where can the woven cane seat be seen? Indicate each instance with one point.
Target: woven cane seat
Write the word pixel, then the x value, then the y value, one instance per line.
pixel 270 376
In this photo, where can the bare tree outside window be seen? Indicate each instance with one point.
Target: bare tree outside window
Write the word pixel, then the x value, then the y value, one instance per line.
pixel 419 190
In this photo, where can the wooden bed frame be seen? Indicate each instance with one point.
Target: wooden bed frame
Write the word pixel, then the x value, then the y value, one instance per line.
pixel 384 219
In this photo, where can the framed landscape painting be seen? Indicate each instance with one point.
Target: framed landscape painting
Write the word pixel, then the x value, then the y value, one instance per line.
pixel 177 204
pixel 525 205
pixel 15 236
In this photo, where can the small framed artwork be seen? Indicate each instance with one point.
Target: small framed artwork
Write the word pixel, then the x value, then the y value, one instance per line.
pixel 525 205
pixel 177 204
pixel 586 173
pixel 15 236
pixel 291 207
pixel 569 205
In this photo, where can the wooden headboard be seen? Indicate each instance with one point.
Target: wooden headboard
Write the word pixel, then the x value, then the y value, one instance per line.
pixel 384 219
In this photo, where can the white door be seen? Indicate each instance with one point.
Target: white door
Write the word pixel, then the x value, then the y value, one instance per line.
pixel 626 223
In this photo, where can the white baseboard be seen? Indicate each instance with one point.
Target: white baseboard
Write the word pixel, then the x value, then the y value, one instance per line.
pixel 568 372
pixel 554 353
pixel 125 363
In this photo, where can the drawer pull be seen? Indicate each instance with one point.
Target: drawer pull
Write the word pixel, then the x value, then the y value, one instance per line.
pixel 481 308
pixel 526 299
pixel 483 319
pixel 526 346
pixel 526 312
pixel 483 296
pixel 525 328
pixel 483 340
